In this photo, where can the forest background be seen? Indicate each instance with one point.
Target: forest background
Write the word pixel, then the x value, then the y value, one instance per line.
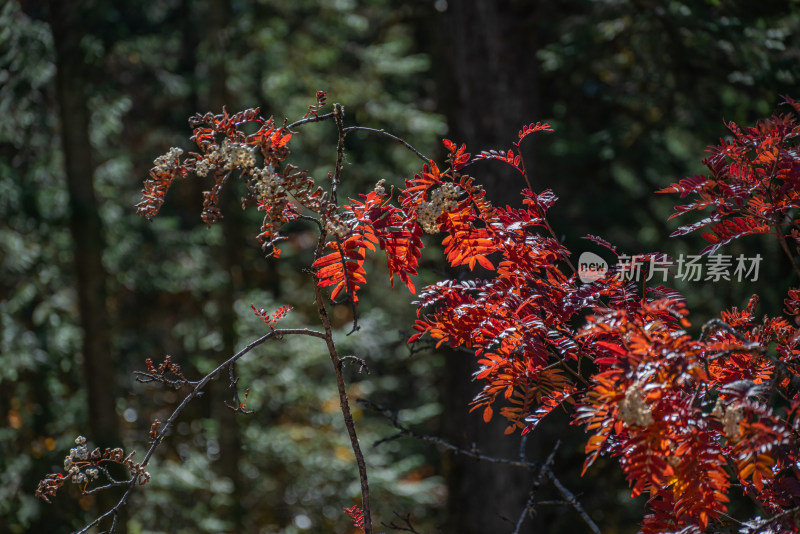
pixel 91 91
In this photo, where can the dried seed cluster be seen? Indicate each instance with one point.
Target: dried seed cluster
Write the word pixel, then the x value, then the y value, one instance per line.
pixel 168 162
pixel 77 454
pixel 633 409
pixel 337 227
pixel 265 183
pixel 227 157
pixel 730 421
pixel 442 200
pixel 730 418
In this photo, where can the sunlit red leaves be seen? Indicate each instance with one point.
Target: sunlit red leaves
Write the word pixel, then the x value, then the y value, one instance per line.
pixel 466 244
pixel 509 157
pixel 651 385
pixel 547 404
pixel 154 193
pixel 313 110
pixel 753 184
pixel 271 141
pixel 725 231
pixel 208 127
pixel 791 304
pixel 757 438
pixel 398 235
pixel 458 157
pixel 271 320
pixel 640 408
pixel 343 268
pixel 699 486
pixel 402 246
pixel 356 516
pixel 531 128
pixel 415 189
pixel 514 159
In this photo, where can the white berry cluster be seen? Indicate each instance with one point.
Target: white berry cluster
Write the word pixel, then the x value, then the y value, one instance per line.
pixel 265 183
pixel 633 409
pixel 79 453
pixel 442 200
pixel 166 163
pixel 380 190
pixel 337 227
pixel 227 157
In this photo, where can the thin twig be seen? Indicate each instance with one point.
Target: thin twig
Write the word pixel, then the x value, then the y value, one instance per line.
pixel 390 136
pixel 544 468
pixel 362 364
pixel 196 391
pixel 406 521
pixel 543 474
pixel 337 171
pixel 338 115
pixel 471 453
pixel 315 118
pixel 570 498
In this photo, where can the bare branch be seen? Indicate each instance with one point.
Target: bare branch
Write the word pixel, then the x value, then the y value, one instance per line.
pixel 390 136
pixel 345 406
pixel 196 392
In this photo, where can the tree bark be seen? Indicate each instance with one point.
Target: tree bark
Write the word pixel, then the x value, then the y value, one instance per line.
pixel 486 62
pixel 231 251
pixel 85 224
pixel 488 81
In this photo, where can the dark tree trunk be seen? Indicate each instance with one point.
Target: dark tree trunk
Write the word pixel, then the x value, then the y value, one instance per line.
pixel 99 358
pixel 85 224
pixel 488 81
pixel 486 62
pixel 230 439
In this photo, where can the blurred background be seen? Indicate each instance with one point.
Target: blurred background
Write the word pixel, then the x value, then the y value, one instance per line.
pixel 91 92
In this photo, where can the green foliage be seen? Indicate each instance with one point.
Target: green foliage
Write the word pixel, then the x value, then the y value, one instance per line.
pixel 146 71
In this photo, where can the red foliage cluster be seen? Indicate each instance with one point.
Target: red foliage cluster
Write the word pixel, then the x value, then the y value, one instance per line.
pixel 753 183
pixel 686 417
pixel 272 320
pixel 355 514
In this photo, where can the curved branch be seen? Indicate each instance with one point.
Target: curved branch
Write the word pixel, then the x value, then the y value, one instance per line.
pixel 196 391
pixel 390 136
